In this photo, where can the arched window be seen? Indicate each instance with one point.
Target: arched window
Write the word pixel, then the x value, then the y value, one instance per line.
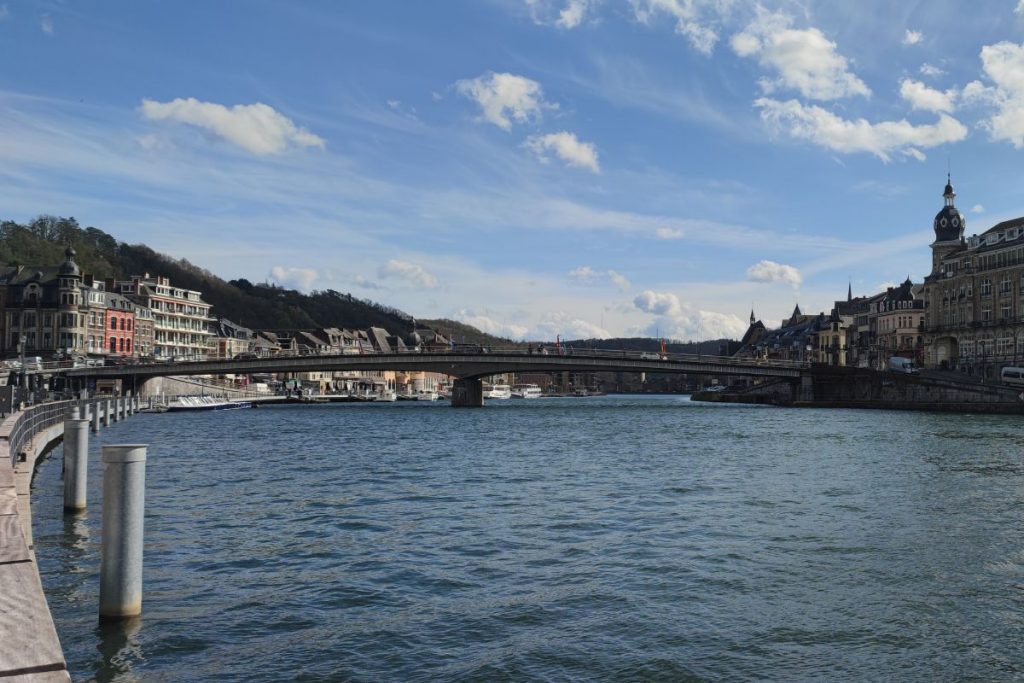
pixel 113 344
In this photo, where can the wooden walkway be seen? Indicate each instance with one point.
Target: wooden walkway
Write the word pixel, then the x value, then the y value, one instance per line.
pixel 30 651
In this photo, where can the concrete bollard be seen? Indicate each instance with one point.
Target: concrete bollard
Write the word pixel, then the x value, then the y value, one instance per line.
pixel 115 409
pixel 95 413
pixel 76 464
pixel 124 498
pixel 106 412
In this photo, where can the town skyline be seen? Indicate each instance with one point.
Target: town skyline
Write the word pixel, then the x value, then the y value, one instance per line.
pixel 577 167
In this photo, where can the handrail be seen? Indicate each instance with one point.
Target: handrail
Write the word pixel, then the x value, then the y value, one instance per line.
pixel 38 418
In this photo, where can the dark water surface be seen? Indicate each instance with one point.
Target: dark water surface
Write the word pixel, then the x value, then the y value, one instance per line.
pixel 612 538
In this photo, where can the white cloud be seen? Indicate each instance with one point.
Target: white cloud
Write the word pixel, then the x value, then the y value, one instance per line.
pixel 564 325
pixel 1020 7
pixel 978 208
pixel 770 271
pixel 485 323
pixel 619 280
pixel 586 274
pixel 566 147
pixel 573 14
pixel 805 59
pixel 681 321
pixel 583 273
pixel 45 23
pixel 931 71
pixel 912 37
pixel 659 303
pixel 567 14
pixel 691 19
pixel 1003 63
pixel 920 96
pixel 296 278
pixel 504 95
pixel 669 234
pixel 882 139
pixel 410 272
pixel 257 128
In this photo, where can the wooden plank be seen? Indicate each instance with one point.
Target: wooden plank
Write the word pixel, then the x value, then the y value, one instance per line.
pixel 6 474
pixel 12 543
pixel 8 501
pixel 27 632
pixel 25 518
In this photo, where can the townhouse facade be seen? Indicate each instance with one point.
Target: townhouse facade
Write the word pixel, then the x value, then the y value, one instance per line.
pixel 974 295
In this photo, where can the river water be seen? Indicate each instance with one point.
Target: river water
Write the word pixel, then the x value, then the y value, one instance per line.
pixel 607 538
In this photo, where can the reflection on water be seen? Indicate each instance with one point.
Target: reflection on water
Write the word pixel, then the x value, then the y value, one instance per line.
pixel 613 538
pixel 119 648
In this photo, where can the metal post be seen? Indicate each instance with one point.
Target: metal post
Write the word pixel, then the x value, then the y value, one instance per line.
pixel 76 462
pixel 96 416
pixel 124 497
pixel 106 412
pixel 115 408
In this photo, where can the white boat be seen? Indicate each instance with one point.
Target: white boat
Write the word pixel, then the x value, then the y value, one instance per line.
pixel 526 391
pixel 205 403
pixel 426 395
pixel 497 391
pixel 387 395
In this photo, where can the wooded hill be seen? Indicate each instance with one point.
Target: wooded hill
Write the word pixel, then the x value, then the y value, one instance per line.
pixel 261 306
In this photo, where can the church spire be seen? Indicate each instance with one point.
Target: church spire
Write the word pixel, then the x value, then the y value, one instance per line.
pixel 752 318
pixel 849 292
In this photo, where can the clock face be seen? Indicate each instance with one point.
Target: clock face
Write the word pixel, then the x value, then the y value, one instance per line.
pixel 956 222
pixel 943 222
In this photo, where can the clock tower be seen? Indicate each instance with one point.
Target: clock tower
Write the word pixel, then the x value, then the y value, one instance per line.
pixel 949 228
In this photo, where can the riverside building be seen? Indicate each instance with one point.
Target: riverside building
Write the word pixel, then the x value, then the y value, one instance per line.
pixel 974 295
pixel 181 319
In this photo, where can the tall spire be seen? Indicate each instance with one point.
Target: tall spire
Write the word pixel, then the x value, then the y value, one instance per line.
pixel 849 292
pixel 752 318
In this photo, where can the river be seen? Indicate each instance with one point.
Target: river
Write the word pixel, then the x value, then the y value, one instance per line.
pixel 604 538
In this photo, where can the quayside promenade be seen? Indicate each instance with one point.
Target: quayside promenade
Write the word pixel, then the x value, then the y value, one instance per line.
pixel 31 651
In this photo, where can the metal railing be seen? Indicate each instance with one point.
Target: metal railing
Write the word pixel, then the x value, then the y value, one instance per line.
pixel 31 422
pixel 40 417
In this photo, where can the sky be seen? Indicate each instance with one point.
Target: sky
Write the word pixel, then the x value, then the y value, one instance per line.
pixel 584 168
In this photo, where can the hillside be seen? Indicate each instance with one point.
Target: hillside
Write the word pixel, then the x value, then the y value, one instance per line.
pixel 43 241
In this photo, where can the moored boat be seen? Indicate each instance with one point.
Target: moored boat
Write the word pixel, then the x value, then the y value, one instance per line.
pixel 205 403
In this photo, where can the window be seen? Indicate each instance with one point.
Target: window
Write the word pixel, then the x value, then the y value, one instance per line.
pixel 120 344
pixel 113 344
pixel 28 319
pixel 113 323
pixel 986 314
pixel 1004 285
pixel 122 324
pixel 986 287
pixel 129 325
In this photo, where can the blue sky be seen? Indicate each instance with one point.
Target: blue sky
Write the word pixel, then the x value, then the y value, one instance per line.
pixel 533 167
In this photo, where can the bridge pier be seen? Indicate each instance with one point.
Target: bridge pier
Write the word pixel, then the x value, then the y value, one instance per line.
pixel 468 393
pixel 806 387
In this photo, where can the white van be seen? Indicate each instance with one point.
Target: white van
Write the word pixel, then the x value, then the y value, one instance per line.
pixel 1012 376
pixel 897 364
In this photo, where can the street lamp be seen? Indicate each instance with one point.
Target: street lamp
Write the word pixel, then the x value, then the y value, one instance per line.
pixel 22 340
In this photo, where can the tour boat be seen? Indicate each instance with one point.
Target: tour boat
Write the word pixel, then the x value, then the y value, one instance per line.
pixel 387 395
pixel 205 403
pixel 426 395
pixel 498 391
pixel 526 391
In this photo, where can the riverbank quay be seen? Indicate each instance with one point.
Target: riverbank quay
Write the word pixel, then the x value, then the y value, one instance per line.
pixel 831 387
pixel 31 651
